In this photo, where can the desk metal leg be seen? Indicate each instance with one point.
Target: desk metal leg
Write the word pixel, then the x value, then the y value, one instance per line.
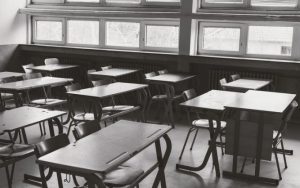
pixel 210 151
pixel 162 160
pixel 51 128
pixel 256 177
pixel 59 125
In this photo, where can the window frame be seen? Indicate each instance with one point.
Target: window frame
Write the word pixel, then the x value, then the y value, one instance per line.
pixel 245 5
pixel 268 55
pixel 121 47
pixel 83 45
pixel 202 25
pixel 244 39
pixel 158 23
pixel 34 30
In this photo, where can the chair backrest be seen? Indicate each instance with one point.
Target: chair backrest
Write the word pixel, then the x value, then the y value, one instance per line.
pixel 73 87
pixel 189 94
pixel 29 76
pixel 51 145
pixel 101 82
pixel 25 68
pixel 286 118
pixel 51 61
pixel 106 67
pixel 150 74
pixel 8 79
pixel 235 77
pixel 164 71
pixel 85 129
pixel 222 82
pixel 91 71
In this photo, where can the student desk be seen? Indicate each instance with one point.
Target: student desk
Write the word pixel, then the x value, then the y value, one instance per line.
pixel 247 84
pixel 18 119
pixel 50 69
pixel 25 85
pixel 94 95
pixel 10 74
pixel 108 148
pixel 169 80
pixel 264 103
pixel 113 73
pixel 212 104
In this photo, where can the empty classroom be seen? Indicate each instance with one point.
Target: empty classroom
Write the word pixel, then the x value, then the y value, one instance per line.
pixel 149 93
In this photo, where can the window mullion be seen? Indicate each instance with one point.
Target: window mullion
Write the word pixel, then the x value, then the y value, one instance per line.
pixel 142 35
pixel 244 40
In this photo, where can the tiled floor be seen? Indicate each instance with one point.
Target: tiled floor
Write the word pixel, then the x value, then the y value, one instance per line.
pixel 175 179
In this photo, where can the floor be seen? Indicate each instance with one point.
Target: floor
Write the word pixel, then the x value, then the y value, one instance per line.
pixel 205 178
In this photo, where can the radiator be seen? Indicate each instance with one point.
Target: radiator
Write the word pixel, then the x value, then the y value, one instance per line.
pixel 216 74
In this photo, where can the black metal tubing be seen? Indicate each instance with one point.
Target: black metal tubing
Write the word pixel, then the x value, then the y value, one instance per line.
pixel 162 160
pixel 210 151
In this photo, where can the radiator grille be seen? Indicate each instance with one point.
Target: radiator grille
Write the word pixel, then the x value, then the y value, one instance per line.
pixel 215 75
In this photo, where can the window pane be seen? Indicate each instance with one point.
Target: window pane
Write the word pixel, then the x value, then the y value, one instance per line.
pixel 124 1
pixel 162 36
pixel 269 40
pixel 122 34
pixel 49 30
pixel 274 3
pixel 225 1
pixel 83 32
pixel 84 1
pixel 218 38
pixel 167 1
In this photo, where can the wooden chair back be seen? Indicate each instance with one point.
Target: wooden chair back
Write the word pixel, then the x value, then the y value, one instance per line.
pixel 235 77
pixel 189 94
pixel 73 87
pixel 164 71
pixel 106 67
pixel 25 68
pixel 51 144
pixel 29 76
pixel 85 129
pixel 150 74
pixel 101 82
pixel 286 118
pixel 222 82
pixel 51 61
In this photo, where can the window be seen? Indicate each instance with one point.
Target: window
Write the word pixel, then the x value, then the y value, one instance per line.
pixel 245 39
pixel 84 32
pixel 124 1
pixel 48 30
pixel 274 3
pixel 269 40
pixel 122 34
pixel 84 1
pixel 162 36
pixel 220 38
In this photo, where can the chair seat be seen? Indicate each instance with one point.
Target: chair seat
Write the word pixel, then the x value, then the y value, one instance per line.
pixel 48 101
pixel 7 96
pixel 204 123
pixel 118 108
pixel 16 150
pixel 159 97
pixel 275 134
pixel 122 176
pixel 88 116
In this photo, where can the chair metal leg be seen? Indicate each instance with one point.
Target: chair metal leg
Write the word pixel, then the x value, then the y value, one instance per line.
pixel 41 129
pixel 284 156
pixel 243 166
pixel 221 140
pixel 59 179
pixel 44 127
pixel 186 139
pixel 10 175
pixel 277 163
pixel 148 109
pixel 70 125
pixel 194 139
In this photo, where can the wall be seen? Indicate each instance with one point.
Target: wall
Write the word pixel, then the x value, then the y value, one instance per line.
pixel 13 31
